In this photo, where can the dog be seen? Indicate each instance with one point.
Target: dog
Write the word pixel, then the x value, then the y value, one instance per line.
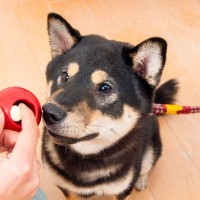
pixel 100 137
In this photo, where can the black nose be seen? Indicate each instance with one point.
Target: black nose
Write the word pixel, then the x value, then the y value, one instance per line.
pixel 52 114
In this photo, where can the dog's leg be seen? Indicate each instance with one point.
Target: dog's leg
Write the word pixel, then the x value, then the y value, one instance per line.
pixel 151 156
pixel 142 182
pixel 147 164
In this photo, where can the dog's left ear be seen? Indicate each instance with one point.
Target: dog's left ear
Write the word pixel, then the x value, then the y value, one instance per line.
pixel 62 36
pixel 148 59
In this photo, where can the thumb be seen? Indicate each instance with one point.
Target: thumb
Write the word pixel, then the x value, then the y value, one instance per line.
pixel 26 143
pixel 2 120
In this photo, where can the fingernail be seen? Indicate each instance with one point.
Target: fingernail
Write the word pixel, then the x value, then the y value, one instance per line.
pixel 22 105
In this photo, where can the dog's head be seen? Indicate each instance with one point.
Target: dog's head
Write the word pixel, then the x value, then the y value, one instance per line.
pixel 99 88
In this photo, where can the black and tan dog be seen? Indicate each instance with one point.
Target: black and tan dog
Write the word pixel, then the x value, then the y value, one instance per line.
pixel 100 137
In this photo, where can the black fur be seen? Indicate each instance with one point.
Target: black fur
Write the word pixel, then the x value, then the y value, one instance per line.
pixel 165 94
pixel 133 85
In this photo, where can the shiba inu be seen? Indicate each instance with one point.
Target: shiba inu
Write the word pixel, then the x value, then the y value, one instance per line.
pixel 100 137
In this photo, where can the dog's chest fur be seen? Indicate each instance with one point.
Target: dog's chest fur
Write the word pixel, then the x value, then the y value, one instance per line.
pixel 110 171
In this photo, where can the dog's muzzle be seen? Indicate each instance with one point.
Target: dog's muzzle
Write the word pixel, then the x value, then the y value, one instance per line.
pixel 53 117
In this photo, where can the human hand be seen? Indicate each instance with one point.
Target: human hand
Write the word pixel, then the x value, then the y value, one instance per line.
pixel 19 170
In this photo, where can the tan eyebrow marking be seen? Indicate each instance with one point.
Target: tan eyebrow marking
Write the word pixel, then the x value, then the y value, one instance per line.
pixel 73 69
pixel 99 76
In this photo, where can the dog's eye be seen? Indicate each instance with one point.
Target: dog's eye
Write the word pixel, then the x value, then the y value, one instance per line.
pixel 105 88
pixel 64 76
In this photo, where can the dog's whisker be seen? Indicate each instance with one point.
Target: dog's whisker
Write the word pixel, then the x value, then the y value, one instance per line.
pixel 107 140
pixel 112 130
pixel 43 91
pixel 90 130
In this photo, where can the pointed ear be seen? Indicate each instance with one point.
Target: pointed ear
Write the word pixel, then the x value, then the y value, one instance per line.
pixel 148 59
pixel 61 35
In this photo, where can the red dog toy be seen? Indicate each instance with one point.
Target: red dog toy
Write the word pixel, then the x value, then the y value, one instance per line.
pixel 13 96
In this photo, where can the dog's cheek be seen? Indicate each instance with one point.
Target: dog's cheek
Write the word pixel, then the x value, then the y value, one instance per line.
pixel 119 127
pixel 110 130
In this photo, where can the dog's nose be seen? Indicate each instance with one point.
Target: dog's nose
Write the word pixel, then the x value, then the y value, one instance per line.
pixel 52 114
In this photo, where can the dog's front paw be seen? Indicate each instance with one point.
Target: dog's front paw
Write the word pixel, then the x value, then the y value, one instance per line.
pixel 142 182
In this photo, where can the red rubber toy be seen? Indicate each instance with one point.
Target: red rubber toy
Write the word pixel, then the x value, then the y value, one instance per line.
pixel 14 96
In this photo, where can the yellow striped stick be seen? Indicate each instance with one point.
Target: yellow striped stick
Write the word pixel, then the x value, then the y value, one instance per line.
pixel 162 109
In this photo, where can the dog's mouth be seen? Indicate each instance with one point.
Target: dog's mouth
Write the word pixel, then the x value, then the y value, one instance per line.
pixel 64 140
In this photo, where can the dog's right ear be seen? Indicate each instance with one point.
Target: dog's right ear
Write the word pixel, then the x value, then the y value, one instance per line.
pixel 148 59
pixel 61 35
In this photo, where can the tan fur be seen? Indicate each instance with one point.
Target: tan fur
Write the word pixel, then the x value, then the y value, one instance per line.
pixel 147 162
pixel 54 156
pixel 142 182
pixel 101 189
pixel 147 165
pixel 73 69
pixel 83 110
pixel 105 172
pixel 110 130
pixel 99 76
pixel 49 85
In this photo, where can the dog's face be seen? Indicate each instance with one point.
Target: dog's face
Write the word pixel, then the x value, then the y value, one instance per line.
pixel 99 89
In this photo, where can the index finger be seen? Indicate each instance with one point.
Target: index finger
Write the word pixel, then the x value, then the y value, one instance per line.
pixel 26 143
